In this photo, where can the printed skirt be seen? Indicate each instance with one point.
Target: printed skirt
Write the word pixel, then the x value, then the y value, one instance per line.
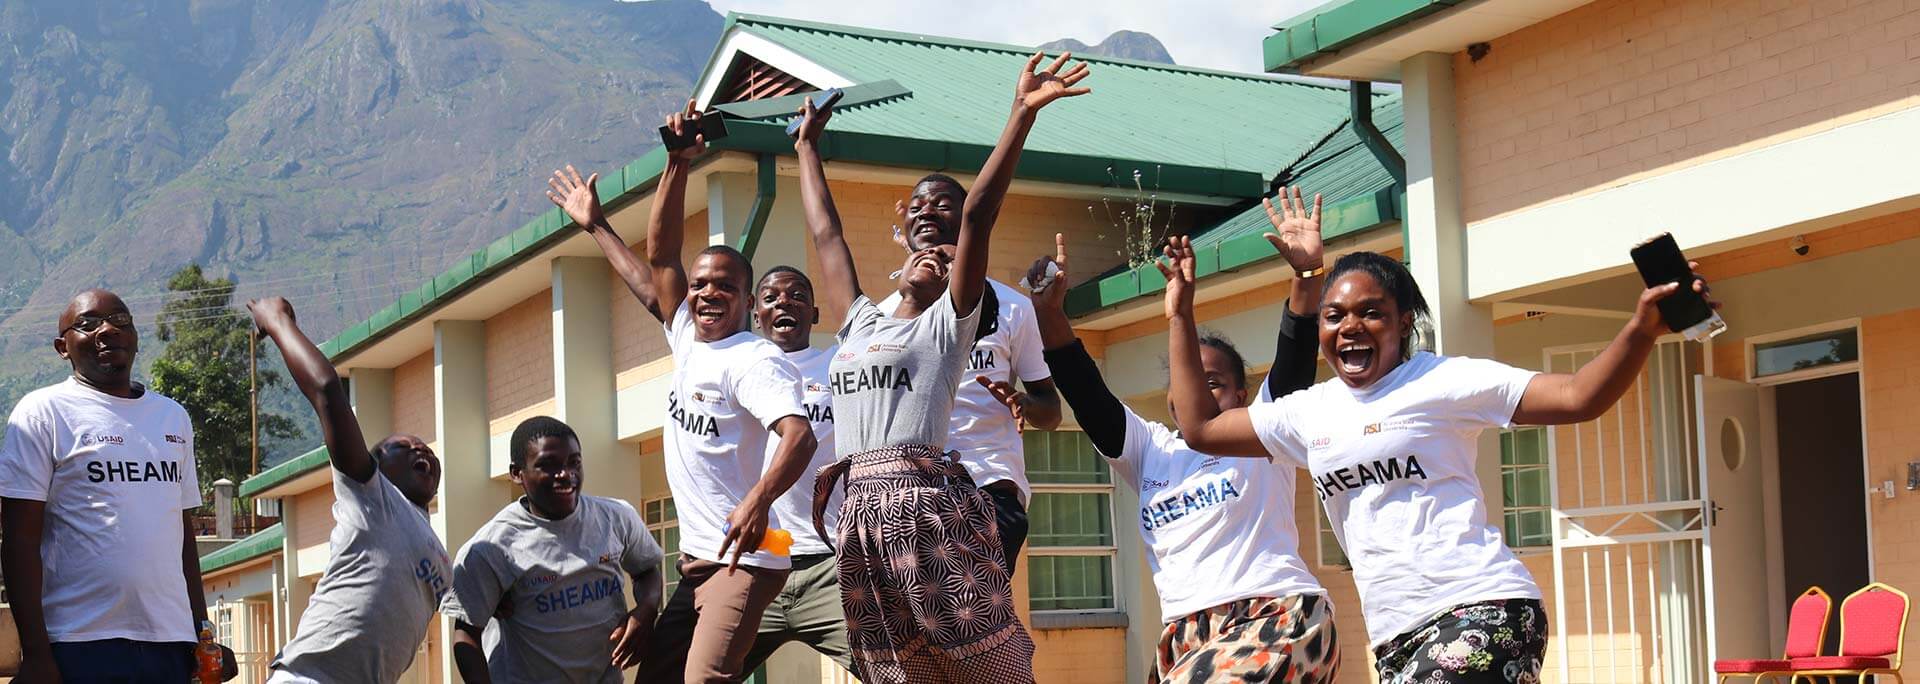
pixel 919 558
pixel 1502 641
pixel 1286 639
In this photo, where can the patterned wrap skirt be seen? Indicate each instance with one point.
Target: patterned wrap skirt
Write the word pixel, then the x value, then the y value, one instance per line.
pixel 919 558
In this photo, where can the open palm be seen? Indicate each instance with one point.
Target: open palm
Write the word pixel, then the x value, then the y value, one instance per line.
pixel 575 196
pixel 1296 230
pixel 1037 88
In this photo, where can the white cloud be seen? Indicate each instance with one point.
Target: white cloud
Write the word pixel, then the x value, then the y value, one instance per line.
pixel 1219 34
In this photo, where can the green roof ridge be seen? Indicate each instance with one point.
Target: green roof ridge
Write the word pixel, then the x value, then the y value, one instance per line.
pixel 737 18
pixel 1338 24
pixel 285 471
pixel 255 545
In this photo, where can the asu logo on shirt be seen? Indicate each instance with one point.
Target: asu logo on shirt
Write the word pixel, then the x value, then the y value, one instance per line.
pixel 693 422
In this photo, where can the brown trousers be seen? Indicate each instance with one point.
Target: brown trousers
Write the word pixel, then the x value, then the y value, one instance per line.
pixel 709 623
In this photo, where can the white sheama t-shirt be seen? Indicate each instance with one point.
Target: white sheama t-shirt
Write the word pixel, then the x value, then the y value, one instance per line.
pixel 984 431
pixel 1218 529
pixel 115 474
pixel 794 509
pixel 725 398
pixel 1394 466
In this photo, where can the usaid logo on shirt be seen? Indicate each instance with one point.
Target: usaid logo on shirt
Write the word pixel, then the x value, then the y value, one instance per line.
pixel 92 439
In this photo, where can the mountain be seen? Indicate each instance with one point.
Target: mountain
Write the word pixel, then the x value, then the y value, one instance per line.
pixel 1122 44
pixel 333 151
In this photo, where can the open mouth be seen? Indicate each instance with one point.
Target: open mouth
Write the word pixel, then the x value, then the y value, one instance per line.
pixel 710 312
pixel 424 467
pixel 564 490
pixel 926 227
pixel 785 322
pixel 932 265
pixel 1355 358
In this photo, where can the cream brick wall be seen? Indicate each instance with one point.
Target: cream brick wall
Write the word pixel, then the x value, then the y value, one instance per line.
pixel 1617 89
pixel 519 353
pixel 1890 375
pixel 637 337
pixel 314 509
pixel 413 408
pixel 1080 656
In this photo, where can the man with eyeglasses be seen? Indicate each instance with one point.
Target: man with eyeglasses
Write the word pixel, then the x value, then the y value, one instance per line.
pixel 97 488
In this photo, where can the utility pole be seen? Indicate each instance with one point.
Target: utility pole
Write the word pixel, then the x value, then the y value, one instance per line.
pixel 253 410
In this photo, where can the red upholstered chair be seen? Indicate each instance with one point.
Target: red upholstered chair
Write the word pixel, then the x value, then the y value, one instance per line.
pixel 1873 623
pixel 1806 630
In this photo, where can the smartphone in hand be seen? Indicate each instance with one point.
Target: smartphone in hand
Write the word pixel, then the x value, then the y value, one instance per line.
pixel 713 127
pixel 1687 312
pixel 822 102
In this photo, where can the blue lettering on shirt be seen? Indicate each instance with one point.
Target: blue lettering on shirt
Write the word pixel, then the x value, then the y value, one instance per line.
pixel 568 598
pixel 1166 510
pixel 436 581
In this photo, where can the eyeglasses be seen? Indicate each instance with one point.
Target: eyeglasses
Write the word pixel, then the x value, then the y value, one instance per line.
pixel 88 324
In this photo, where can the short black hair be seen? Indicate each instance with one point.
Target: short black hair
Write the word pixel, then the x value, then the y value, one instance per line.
pixel 533 429
pixel 959 189
pixel 1237 362
pixel 1393 277
pixel 737 256
pixel 783 268
pixel 381 448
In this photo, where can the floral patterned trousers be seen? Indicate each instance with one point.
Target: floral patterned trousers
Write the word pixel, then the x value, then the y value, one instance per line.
pixel 1491 642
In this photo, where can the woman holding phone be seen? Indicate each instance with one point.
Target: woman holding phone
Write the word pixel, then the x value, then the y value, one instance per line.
pixel 928 596
pixel 1391 443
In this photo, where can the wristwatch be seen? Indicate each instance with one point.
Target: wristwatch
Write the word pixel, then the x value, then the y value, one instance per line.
pixel 1310 273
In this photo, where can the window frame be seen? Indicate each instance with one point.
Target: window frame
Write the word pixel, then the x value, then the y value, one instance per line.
pixel 1545 467
pixel 1110 551
pixel 1751 353
pixel 669 558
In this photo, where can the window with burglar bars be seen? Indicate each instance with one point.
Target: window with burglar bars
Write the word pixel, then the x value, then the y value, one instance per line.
pixel 1524 486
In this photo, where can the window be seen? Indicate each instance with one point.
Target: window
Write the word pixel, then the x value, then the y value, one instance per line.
pixel 1524 487
pixel 663 522
pixel 1804 352
pixel 223 623
pixel 1070 543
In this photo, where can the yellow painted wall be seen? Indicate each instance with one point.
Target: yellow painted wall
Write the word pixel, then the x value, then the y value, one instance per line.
pixel 519 353
pixel 413 407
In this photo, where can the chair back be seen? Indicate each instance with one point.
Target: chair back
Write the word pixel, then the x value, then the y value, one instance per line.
pixel 1807 623
pixel 1873 622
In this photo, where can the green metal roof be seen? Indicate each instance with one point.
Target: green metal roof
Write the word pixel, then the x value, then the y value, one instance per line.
pixel 1141 111
pixel 285 471
pixel 254 546
pixel 1338 24
pixel 1358 194
pixel 1198 131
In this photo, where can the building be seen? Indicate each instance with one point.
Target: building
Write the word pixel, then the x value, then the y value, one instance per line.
pixel 536 323
pixel 1543 139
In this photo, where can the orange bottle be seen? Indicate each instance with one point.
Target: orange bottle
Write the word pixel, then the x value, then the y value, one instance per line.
pixel 208 654
pixel 778 541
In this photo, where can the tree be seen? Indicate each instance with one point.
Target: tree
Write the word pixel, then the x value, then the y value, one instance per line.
pixel 204 367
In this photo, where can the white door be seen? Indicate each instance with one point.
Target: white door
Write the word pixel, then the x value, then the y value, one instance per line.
pixel 1735 547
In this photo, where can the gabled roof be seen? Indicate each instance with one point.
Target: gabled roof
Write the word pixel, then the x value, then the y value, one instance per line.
pixel 1141 111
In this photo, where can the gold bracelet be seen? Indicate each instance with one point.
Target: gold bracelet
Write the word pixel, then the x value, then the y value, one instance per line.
pixel 1310 273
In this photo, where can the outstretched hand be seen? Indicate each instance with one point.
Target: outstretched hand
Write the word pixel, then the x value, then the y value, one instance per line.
pixel 1005 393
pixel 270 311
pixel 576 196
pixel 629 639
pixel 1037 88
pixel 813 122
pixel 1647 320
pixel 1297 231
pixel 1054 295
pixel 682 122
pixel 1178 270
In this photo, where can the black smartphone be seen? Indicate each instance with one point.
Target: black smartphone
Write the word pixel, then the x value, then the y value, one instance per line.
pixel 1687 312
pixel 713 126
pixel 823 102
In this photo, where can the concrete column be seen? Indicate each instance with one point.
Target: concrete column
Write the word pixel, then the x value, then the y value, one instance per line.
pixel 467 497
pixel 371 392
pixel 293 593
pixel 583 390
pixel 1437 233
pixel 729 201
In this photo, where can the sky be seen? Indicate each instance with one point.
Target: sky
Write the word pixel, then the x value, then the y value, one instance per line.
pixel 1218 34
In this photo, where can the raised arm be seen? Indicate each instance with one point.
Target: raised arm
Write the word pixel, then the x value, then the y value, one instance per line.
pixel 1560 398
pixel 660 281
pixel 1297 236
pixel 1101 415
pixel 1205 427
pixel 316 378
pixel 1034 90
pixel 839 284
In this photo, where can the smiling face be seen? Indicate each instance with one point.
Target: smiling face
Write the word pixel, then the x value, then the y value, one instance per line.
pixel 716 296
pixel 933 214
pixel 100 352
pixel 1223 378
pixel 1363 331
pixel 783 308
pixel 924 275
pixel 550 476
pixel 411 466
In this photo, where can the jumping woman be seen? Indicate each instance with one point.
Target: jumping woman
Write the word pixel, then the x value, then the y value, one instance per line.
pixel 922 576
pixel 1391 443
